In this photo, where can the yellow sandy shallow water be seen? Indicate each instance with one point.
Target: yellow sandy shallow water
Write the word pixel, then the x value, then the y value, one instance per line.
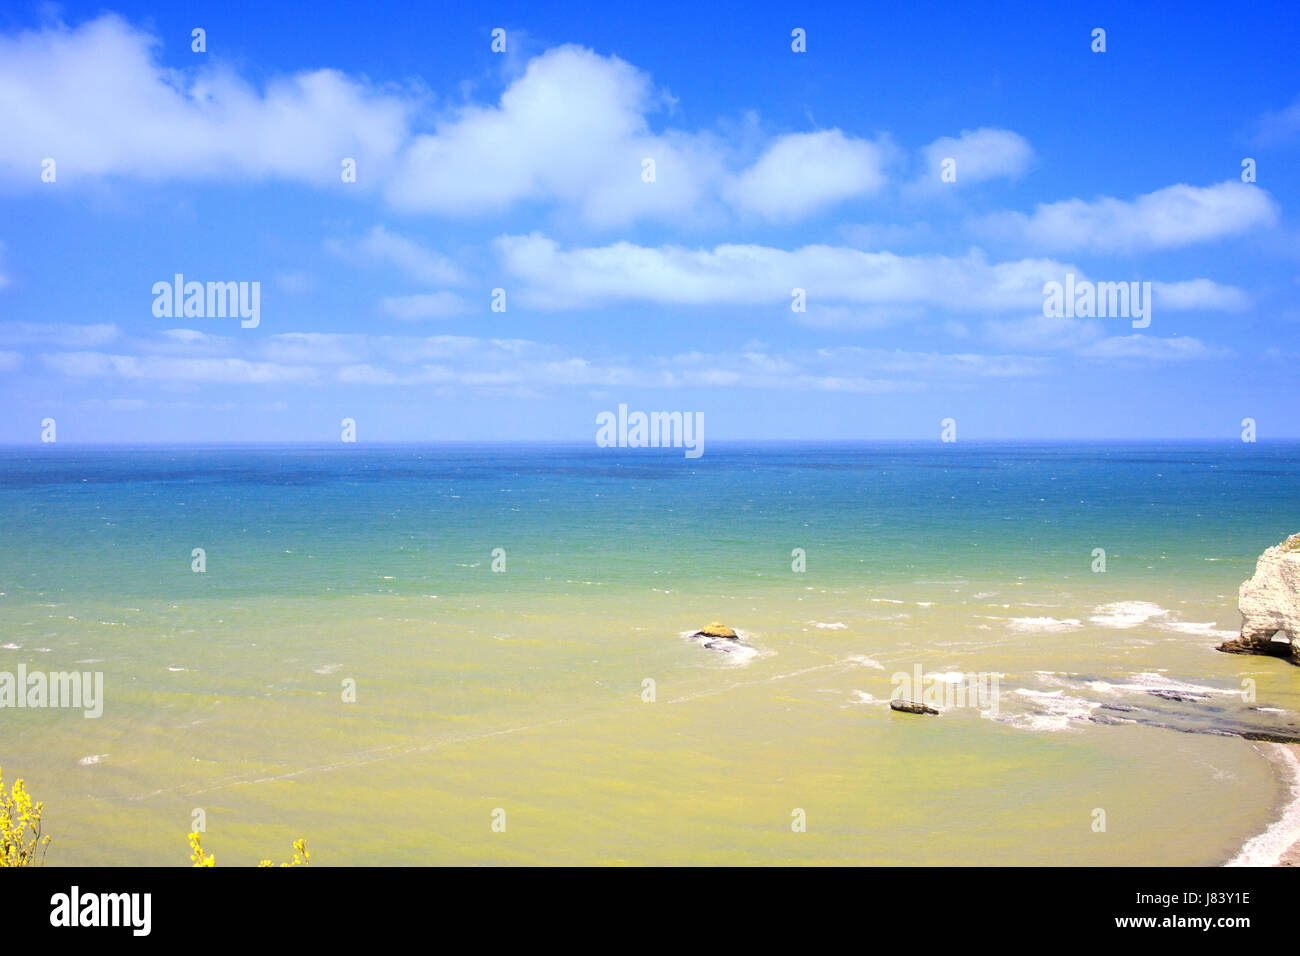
pixel 535 706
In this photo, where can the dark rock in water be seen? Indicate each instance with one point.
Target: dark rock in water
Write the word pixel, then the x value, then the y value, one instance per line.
pixel 1270 605
pixel 911 707
pixel 1270 737
pixel 1261 644
pixel 1189 711
pixel 1172 695
pixel 1110 719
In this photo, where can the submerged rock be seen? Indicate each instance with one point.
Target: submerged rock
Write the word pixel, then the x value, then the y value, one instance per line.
pixel 911 707
pixel 717 630
pixel 727 647
pixel 1270 605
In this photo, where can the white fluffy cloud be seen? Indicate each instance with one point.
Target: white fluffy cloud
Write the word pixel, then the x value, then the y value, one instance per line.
pixel 757 275
pixel 1279 126
pixel 573 130
pixel 556 278
pixel 1088 338
pixel 415 260
pixel 95 99
pixel 229 371
pixel 1199 294
pixel 63 334
pixel 1147 348
pixel 523 366
pixel 1167 218
pixel 1040 332
pixel 979 154
pixel 804 172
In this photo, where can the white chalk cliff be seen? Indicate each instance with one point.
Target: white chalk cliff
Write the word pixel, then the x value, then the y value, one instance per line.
pixel 1270 605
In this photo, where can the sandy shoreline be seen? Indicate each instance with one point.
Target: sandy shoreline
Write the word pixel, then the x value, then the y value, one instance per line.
pixel 1291 856
pixel 1279 844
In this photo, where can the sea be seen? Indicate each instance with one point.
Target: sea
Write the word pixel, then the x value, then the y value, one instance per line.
pixel 485 654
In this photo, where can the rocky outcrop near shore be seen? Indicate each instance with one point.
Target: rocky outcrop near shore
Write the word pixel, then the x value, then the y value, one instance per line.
pixel 911 707
pixel 1270 605
pixel 719 637
pixel 715 630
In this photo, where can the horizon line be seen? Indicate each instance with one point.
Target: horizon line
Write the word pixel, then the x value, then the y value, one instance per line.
pixel 135 443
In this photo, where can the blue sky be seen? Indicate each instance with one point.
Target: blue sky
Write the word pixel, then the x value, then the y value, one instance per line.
pixel 523 171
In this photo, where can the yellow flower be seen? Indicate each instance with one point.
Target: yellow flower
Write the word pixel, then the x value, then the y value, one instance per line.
pixel 20 827
pixel 197 853
pixel 202 858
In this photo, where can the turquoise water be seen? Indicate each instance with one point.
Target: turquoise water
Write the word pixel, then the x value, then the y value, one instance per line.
pixel 523 690
pixel 404 519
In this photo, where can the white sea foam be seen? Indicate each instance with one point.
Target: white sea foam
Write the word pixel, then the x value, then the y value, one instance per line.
pixel 864 661
pixel 1200 630
pixel 1267 848
pixel 1044 625
pixel 91 760
pixel 836 626
pixel 739 654
pixel 1148 681
pixel 736 652
pixel 1050 710
pixel 1126 614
